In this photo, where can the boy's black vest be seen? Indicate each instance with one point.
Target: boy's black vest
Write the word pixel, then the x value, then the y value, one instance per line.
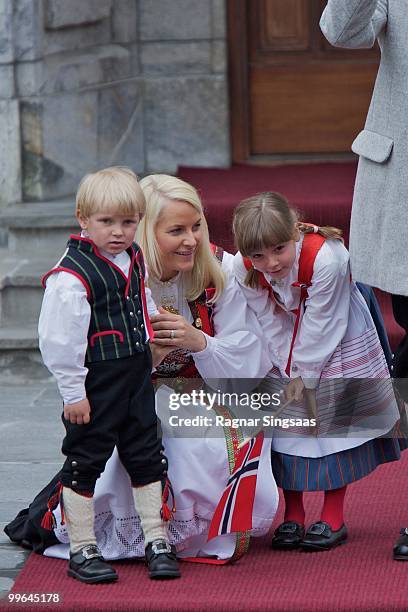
pixel 117 327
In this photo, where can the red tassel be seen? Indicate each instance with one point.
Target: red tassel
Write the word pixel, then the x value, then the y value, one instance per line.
pixel 165 511
pixel 48 522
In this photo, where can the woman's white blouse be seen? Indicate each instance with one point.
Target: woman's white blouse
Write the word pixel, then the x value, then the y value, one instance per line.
pixel 236 351
pixel 324 320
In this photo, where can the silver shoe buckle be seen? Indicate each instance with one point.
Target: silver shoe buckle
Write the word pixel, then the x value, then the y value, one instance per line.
pixel 91 552
pixel 161 547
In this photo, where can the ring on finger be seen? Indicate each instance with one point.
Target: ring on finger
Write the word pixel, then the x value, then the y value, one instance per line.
pixel 172 334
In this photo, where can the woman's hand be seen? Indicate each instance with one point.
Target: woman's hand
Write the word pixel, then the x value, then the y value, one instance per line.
pixel 78 413
pixel 174 331
pixel 294 390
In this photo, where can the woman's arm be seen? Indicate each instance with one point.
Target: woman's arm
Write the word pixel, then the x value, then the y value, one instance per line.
pixel 354 23
pixel 237 349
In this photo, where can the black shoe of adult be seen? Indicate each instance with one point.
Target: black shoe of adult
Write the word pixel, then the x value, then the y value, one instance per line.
pixel 88 565
pixel 288 536
pixel 161 560
pixel 400 551
pixel 320 536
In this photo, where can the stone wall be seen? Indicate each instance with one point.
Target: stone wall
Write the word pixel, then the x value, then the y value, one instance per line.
pixel 88 83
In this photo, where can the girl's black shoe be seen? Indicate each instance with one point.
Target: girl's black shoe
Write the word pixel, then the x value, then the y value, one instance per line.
pixel 288 536
pixel 320 536
pixel 400 551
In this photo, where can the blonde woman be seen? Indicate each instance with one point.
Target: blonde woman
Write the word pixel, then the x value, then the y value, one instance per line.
pixel 202 330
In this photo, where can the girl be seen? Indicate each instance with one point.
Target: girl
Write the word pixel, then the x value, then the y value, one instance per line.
pixel 327 357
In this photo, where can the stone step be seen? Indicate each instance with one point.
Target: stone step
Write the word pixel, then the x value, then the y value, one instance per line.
pixel 20 358
pixel 43 226
pixel 20 289
pixel 18 338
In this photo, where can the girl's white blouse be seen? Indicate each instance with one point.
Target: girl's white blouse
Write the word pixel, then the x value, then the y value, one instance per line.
pixel 324 321
pixel 236 350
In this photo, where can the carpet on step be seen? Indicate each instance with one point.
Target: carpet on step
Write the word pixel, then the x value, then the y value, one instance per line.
pixel 359 576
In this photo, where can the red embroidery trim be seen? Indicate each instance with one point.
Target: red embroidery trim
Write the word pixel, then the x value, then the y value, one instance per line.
pixel 105 333
pixel 62 269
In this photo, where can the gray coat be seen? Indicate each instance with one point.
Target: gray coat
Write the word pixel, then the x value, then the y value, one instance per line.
pixel 379 220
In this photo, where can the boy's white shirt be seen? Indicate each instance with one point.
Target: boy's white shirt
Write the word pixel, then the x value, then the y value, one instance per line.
pixel 63 328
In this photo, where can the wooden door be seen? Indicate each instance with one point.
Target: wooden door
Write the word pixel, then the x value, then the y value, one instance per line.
pixel 292 92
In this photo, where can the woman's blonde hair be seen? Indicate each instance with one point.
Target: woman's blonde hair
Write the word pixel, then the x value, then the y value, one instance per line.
pixel 158 190
pixel 115 189
pixel 266 220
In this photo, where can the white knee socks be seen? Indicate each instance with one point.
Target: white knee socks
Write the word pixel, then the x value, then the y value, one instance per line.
pixel 148 500
pixel 79 518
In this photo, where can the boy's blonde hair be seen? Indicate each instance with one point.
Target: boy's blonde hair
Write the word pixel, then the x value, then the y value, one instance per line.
pixel 159 189
pixel 115 189
pixel 266 220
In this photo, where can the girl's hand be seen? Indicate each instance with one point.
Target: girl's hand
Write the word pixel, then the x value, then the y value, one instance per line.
pixel 78 413
pixel 311 403
pixel 294 390
pixel 174 331
pixel 159 353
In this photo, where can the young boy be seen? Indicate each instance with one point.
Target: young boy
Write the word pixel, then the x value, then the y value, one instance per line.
pixel 94 338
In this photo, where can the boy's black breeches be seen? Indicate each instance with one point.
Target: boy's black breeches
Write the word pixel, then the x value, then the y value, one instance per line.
pixel 123 414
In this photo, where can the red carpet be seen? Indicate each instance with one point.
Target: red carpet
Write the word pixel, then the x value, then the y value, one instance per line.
pixel 358 576
pixel 321 192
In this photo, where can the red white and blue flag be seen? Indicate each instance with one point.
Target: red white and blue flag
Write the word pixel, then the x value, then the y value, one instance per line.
pixel 234 510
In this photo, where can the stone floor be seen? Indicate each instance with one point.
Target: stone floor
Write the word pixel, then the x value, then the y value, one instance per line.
pixel 30 438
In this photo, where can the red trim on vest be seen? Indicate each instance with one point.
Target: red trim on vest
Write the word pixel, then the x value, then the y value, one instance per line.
pixel 108 261
pixel 132 261
pixel 105 333
pixel 78 276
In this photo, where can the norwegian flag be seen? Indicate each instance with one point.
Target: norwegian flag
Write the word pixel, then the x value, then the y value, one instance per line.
pixel 234 510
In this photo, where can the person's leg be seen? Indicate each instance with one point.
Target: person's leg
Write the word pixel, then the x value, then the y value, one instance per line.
pixel 88 448
pixel 141 452
pixel 400 375
pixel 333 508
pixel 294 509
pixel 400 357
pixel 289 534
pixel 330 531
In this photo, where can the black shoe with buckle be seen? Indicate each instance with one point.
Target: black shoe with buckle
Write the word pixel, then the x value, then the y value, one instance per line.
pixel 88 565
pixel 288 536
pixel 161 560
pixel 320 536
pixel 400 551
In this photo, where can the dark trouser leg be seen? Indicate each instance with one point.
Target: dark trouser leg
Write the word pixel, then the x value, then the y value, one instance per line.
pixel 141 452
pixel 88 447
pixel 400 360
pixel 400 373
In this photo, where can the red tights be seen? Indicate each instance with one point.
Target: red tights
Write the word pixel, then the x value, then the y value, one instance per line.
pixel 332 511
